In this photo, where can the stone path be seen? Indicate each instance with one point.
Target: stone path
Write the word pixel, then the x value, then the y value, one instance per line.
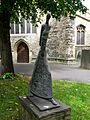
pixel 58 71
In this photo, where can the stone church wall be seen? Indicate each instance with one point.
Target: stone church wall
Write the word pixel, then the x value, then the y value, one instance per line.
pixel 30 40
pixel 61 38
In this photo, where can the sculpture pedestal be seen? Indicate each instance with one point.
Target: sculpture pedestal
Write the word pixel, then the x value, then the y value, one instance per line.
pixel 29 111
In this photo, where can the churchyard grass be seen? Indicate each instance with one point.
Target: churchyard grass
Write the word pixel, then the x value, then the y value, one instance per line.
pixel 77 95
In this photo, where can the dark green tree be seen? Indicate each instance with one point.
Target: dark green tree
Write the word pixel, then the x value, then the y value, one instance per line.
pixel 10 10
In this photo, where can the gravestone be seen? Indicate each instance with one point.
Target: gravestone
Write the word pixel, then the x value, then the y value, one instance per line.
pixel 85 59
pixel 39 104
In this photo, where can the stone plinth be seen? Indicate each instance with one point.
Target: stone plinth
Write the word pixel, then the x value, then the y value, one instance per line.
pixel 28 111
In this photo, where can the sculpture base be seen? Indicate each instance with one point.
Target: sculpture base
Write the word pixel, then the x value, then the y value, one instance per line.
pixel 43 104
pixel 29 111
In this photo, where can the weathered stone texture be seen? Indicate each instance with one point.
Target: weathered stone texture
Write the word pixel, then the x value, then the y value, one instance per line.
pixel 41 83
pixel 61 38
pixel 85 59
pixel 32 41
pixel 79 49
pixel 29 111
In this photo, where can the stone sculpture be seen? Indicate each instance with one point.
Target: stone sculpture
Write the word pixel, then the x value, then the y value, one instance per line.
pixel 39 104
pixel 41 83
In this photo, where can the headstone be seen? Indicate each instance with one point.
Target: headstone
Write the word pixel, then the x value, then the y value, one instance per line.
pixel 85 59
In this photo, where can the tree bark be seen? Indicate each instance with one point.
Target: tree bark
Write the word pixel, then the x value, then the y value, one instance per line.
pixel 6 53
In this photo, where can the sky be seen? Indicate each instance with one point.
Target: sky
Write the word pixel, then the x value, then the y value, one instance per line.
pixel 87 3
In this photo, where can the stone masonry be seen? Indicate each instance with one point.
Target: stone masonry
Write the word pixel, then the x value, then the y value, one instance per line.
pixel 28 111
pixel 61 38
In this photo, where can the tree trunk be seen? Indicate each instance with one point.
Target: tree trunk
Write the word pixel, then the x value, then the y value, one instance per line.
pixel 6 53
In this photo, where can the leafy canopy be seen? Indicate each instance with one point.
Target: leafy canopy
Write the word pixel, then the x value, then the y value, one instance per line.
pixel 33 9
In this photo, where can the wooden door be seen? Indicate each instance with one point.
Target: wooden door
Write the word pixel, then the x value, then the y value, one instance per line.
pixel 22 53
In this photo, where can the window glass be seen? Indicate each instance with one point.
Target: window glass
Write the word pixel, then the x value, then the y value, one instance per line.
pixel 12 28
pixel 33 29
pixel 17 28
pixel 28 26
pixel 81 35
pixel 78 37
pixel 22 25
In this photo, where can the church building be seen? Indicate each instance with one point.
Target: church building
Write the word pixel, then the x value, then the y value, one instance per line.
pixel 67 38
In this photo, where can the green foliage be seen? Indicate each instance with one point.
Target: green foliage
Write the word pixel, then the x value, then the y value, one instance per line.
pixel 9 92
pixel 33 9
pixel 77 95
pixel 7 76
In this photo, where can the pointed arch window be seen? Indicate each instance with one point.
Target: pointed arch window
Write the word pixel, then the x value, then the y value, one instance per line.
pixel 80 35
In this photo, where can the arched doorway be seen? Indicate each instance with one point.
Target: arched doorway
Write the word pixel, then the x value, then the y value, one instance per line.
pixel 22 53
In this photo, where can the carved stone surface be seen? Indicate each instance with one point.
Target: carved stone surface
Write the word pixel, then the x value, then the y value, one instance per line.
pixel 41 84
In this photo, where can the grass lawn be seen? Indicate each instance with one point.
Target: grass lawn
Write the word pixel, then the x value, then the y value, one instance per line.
pixel 77 95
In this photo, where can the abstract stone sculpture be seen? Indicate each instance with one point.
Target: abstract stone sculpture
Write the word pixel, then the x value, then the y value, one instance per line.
pixel 41 83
